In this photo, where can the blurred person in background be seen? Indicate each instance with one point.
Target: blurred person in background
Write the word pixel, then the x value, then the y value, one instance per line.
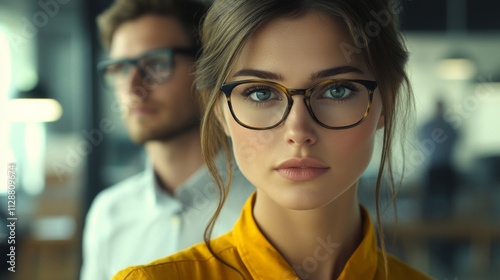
pixel 439 140
pixel 153 47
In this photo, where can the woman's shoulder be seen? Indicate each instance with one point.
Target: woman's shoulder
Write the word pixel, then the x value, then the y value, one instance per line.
pixel 191 263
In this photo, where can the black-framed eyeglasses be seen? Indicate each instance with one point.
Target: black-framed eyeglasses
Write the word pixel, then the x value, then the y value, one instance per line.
pixel 155 67
pixel 333 104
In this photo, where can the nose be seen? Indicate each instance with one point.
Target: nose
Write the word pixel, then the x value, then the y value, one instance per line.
pixel 135 86
pixel 300 128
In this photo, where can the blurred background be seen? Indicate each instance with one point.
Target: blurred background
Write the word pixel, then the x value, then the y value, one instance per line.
pixel 64 134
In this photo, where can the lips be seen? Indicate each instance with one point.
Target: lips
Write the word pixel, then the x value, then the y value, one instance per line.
pixel 142 110
pixel 301 169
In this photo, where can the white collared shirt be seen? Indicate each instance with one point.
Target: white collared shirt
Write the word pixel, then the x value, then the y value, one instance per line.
pixel 135 221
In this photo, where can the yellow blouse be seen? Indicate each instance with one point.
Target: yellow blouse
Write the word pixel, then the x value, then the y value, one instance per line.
pixel 246 249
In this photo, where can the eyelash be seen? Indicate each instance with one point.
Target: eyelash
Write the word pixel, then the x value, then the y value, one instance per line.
pixel 247 92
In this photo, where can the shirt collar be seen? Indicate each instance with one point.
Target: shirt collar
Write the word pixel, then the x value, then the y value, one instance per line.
pixel 256 251
pixel 198 188
pixel 156 197
pixel 150 184
pixel 363 262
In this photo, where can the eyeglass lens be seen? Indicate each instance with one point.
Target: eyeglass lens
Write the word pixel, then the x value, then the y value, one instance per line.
pixel 334 104
pixel 154 69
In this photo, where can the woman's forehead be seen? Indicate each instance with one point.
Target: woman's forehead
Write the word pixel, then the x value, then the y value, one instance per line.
pixel 308 43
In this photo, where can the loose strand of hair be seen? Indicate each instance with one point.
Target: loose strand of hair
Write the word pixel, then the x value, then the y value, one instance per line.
pixel 378 184
pixel 210 149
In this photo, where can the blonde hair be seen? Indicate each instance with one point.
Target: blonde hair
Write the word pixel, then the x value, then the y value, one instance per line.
pixel 229 24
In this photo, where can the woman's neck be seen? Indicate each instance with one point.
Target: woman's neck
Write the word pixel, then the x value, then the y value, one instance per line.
pixel 316 243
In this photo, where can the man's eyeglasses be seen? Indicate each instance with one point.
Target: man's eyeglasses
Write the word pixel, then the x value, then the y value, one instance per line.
pixel 333 104
pixel 155 67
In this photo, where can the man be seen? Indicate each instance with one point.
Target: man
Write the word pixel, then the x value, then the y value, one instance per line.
pixel 153 45
pixel 441 183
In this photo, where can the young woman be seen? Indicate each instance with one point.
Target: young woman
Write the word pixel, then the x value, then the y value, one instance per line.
pixel 301 89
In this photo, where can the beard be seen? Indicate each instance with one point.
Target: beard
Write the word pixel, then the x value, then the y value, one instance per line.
pixel 164 133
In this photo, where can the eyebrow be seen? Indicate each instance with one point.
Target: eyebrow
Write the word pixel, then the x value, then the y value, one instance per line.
pixel 334 71
pixel 314 76
pixel 259 74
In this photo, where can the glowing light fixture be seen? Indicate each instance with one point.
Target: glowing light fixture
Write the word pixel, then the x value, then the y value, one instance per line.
pixel 34 106
pixel 34 110
pixel 456 67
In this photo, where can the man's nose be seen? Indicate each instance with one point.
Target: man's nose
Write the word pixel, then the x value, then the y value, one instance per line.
pixel 135 84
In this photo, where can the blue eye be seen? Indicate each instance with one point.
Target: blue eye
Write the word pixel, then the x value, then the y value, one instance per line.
pixel 337 92
pixel 260 95
pixel 343 90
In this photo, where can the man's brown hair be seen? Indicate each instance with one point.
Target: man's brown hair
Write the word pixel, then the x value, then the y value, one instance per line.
pixel 188 12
